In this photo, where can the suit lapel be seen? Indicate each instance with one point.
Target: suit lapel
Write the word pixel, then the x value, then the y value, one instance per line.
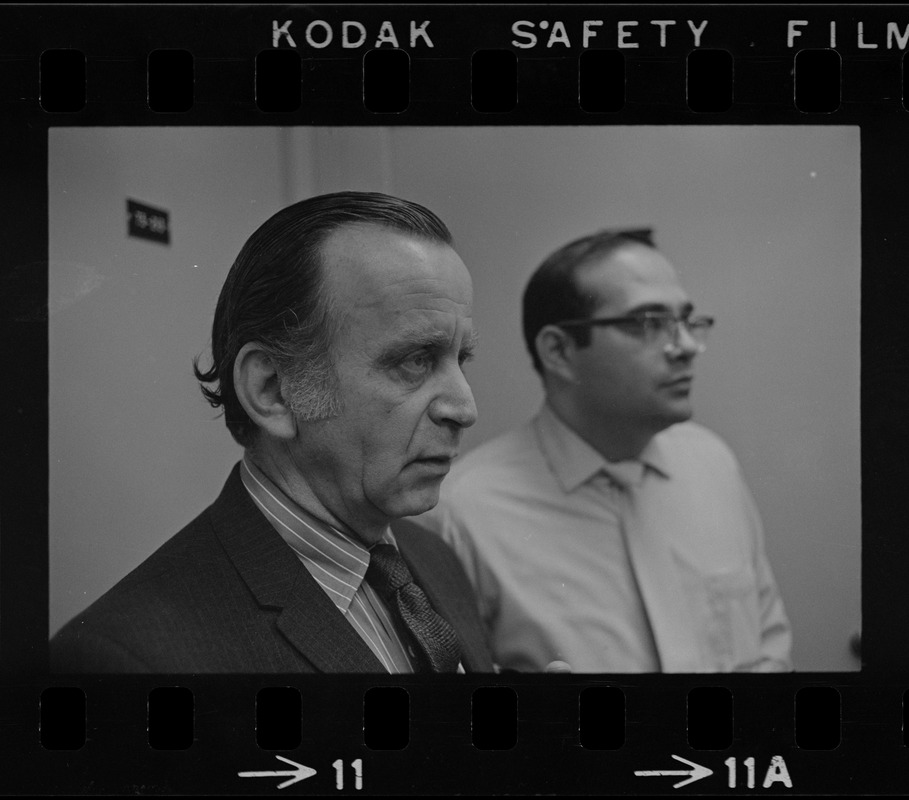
pixel 313 624
pixel 277 579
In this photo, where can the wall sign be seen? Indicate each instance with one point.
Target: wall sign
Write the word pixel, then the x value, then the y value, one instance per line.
pixel 146 222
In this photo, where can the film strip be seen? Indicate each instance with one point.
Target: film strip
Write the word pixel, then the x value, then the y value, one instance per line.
pixel 834 727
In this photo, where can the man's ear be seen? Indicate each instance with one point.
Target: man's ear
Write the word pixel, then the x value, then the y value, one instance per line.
pixel 556 349
pixel 258 387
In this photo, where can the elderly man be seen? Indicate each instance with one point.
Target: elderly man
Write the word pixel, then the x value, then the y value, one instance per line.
pixel 609 532
pixel 338 346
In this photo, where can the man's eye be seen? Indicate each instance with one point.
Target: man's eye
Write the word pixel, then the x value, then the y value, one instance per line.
pixel 639 325
pixel 654 324
pixel 416 364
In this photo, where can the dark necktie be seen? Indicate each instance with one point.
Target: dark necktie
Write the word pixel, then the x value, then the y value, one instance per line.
pixel 436 639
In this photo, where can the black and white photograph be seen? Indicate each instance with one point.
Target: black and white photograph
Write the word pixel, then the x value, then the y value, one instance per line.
pixel 423 399
pixel 675 491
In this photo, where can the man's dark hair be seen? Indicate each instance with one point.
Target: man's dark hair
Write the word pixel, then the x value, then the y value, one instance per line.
pixel 275 295
pixel 552 294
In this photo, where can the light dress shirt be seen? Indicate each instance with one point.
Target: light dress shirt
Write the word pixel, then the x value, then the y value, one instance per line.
pixel 337 562
pixel 655 564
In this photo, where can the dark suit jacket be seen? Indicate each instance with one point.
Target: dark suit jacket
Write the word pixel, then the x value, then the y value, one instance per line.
pixel 227 594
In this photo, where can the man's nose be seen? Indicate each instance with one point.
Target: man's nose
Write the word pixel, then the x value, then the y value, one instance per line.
pixel 454 404
pixel 683 344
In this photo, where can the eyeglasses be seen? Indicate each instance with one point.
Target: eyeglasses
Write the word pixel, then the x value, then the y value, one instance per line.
pixel 653 327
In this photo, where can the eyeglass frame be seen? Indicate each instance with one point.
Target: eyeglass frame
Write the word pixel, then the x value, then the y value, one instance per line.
pixel 677 321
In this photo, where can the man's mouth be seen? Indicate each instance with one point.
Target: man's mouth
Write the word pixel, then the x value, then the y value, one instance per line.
pixel 444 459
pixel 681 382
pixel 433 465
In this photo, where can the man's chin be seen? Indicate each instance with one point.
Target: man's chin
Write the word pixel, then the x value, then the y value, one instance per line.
pixel 680 412
pixel 414 502
pixel 680 405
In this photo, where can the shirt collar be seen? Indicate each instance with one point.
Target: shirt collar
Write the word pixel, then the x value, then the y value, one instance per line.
pixel 574 461
pixel 335 558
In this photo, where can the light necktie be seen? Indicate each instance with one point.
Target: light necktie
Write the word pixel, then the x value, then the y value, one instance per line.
pixel 436 639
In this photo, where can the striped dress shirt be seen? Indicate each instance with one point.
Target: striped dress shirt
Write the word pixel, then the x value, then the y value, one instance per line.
pixel 338 563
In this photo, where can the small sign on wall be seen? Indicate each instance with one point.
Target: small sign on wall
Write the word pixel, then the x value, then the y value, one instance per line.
pixel 146 222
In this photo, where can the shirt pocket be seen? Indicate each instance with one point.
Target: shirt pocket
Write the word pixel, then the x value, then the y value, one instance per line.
pixel 724 606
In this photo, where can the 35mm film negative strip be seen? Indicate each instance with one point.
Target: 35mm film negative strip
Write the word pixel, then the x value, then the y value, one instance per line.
pixel 766 146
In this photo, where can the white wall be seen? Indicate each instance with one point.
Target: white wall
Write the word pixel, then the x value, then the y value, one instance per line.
pixel 134 451
pixel 763 224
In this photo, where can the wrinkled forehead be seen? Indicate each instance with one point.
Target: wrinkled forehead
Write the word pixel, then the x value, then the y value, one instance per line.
pixel 368 266
pixel 631 276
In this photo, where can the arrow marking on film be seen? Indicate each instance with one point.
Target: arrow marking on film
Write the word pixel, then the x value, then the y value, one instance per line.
pixel 299 773
pixel 694 774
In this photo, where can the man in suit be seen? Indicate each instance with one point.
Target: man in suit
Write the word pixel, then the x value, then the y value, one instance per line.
pixel 338 347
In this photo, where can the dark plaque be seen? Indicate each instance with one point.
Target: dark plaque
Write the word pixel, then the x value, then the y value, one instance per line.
pixel 146 222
